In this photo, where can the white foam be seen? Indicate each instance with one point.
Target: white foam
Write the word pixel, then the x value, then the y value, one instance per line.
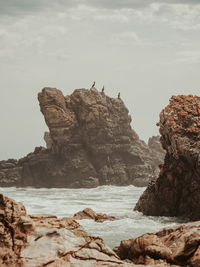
pixel 112 200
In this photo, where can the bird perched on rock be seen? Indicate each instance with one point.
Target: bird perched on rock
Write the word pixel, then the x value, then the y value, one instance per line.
pixel 102 90
pixel 93 84
pixel 118 95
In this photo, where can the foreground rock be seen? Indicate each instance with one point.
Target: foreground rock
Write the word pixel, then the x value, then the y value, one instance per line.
pixel 179 245
pixel 177 190
pixel 90 143
pixel 89 214
pixel 45 240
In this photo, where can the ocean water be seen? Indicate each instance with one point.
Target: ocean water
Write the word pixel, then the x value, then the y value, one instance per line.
pixel 112 200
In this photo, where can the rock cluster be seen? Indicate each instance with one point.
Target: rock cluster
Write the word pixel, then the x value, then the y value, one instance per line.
pixel 89 214
pixel 90 143
pixel 45 240
pixel 173 246
pixel 176 192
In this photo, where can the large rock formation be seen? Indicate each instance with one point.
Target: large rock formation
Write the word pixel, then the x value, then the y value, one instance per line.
pixel 45 240
pixel 177 246
pixel 177 190
pixel 90 143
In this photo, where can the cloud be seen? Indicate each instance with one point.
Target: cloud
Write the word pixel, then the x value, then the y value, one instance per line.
pixel 54 32
pixel 179 16
pixel 16 7
pixel 27 7
pixel 34 36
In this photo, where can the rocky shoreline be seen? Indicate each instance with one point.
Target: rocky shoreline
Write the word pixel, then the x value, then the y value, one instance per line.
pixel 90 143
pixel 45 240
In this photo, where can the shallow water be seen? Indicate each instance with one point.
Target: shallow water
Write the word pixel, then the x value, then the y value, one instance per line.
pixel 112 200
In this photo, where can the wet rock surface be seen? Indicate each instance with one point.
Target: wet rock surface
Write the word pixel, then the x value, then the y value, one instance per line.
pixel 176 192
pixel 90 143
pixel 173 246
pixel 89 214
pixel 45 240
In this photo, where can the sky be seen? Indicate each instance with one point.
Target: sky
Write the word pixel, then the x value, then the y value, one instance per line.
pixel 147 50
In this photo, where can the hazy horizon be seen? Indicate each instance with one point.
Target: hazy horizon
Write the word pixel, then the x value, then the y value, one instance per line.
pixel 146 50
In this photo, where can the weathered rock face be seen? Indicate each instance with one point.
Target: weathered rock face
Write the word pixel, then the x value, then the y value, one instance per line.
pixel 89 214
pixel 12 239
pixel 90 143
pixel 177 190
pixel 177 246
pixel 45 240
pixel 91 132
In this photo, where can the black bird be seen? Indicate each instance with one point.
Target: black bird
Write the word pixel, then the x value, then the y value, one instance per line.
pixel 102 90
pixel 119 95
pixel 93 84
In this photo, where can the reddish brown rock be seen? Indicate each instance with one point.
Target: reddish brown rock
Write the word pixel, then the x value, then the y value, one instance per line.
pixel 45 240
pixel 89 214
pixel 176 192
pixel 178 245
pixel 90 143
pixel 12 237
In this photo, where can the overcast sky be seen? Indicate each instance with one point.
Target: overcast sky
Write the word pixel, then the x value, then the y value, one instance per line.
pixel 148 50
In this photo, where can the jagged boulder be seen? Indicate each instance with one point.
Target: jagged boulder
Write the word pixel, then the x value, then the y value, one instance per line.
pixel 90 143
pixel 12 239
pixel 176 192
pixel 89 214
pixel 172 246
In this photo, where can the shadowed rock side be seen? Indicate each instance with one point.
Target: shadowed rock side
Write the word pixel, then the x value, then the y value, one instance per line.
pixel 45 240
pixel 177 190
pixel 90 143
pixel 176 246
pixel 156 148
